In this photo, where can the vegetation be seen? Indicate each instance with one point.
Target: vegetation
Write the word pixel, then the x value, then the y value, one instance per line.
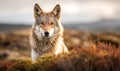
pixel 88 52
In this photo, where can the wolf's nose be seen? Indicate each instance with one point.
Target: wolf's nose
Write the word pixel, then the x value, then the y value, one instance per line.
pixel 46 34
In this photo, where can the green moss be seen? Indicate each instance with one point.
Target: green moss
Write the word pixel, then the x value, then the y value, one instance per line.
pixel 44 63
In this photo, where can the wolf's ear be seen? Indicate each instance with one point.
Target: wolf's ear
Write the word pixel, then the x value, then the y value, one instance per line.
pixel 37 11
pixel 56 11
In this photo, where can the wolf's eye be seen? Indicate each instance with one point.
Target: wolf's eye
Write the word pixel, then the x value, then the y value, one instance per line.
pixel 52 23
pixel 42 23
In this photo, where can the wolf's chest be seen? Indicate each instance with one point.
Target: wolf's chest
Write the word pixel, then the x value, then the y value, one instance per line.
pixel 44 46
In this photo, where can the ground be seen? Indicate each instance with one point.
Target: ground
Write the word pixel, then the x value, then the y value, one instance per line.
pixel 88 51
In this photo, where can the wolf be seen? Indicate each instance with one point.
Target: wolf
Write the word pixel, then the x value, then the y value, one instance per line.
pixel 47 33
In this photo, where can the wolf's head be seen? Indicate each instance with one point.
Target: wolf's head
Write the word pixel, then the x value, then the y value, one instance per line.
pixel 47 23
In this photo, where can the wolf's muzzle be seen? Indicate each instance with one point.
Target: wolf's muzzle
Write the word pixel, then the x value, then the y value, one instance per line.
pixel 46 34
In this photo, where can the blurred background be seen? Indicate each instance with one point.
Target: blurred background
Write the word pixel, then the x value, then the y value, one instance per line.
pixel 90 15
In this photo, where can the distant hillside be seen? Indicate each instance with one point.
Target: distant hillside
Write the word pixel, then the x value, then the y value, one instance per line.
pixel 12 27
pixel 105 25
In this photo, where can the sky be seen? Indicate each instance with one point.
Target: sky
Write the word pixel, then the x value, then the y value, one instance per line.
pixel 73 11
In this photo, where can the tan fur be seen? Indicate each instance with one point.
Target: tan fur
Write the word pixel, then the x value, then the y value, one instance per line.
pixel 47 21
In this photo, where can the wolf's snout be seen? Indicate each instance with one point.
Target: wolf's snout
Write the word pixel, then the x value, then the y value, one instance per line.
pixel 46 34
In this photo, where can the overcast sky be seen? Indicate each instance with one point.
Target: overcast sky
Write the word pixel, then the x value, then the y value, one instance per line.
pixel 79 11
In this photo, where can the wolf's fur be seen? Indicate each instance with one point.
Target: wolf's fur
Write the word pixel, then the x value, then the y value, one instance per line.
pixel 50 22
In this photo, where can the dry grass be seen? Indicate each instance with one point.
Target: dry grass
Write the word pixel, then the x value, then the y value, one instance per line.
pixel 88 52
pixel 79 59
